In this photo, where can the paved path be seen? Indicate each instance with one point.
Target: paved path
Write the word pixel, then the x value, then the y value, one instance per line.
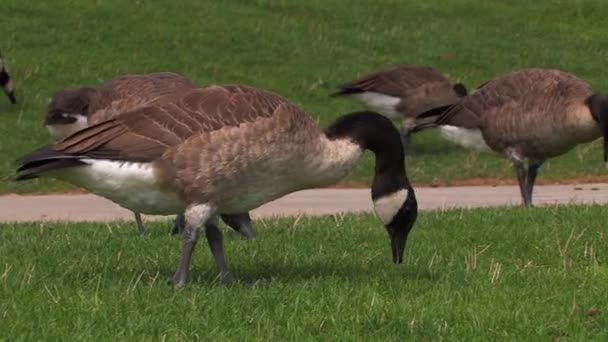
pixel 75 208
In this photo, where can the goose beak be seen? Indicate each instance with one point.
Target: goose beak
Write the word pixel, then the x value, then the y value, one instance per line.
pixel 399 228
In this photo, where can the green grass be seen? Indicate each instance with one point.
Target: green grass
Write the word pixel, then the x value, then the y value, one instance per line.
pixel 301 49
pixel 481 275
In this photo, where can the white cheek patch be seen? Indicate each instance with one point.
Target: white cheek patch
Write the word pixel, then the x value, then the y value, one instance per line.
pixel 62 131
pixel 387 206
pixel 10 87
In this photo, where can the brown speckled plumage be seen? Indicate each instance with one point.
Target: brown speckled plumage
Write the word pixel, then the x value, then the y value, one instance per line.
pixel 530 115
pixel 537 113
pixel 420 88
pixel 184 137
pixel 225 150
pixel 127 92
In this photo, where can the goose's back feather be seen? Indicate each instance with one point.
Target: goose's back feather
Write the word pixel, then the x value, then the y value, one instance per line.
pixel 127 92
pixel 145 133
pixel 539 112
pixel 419 88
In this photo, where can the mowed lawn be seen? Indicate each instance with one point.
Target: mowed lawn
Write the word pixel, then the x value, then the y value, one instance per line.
pixel 480 275
pixel 302 50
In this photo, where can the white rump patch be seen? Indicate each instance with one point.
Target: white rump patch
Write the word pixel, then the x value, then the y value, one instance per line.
pixel 386 207
pixel 131 185
pixel 381 103
pixel 468 138
pixel 61 131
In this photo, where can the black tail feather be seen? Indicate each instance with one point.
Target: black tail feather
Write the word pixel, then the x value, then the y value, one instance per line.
pixel 430 118
pixel 42 160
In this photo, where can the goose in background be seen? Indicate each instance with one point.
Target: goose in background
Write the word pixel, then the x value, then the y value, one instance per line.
pixel 6 82
pixel 73 109
pixel 529 116
pixel 224 150
pixel 404 92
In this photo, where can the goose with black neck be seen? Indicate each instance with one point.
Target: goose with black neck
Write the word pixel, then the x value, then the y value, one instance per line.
pixel 224 150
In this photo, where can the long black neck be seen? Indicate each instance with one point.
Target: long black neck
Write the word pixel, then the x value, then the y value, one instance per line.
pixel 376 133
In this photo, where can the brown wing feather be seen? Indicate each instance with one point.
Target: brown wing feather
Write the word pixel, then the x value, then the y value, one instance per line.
pixel 521 92
pixel 146 133
pixel 399 81
pixel 127 92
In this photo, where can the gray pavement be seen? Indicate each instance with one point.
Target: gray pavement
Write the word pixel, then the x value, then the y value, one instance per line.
pixel 82 208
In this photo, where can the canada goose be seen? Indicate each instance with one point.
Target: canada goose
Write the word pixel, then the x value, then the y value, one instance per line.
pixel 404 91
pixel 530 116
pixel 73 109
pixel 6 82
pixel 227 149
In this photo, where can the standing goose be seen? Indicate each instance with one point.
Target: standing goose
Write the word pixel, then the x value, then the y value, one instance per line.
pixel 73 109
pixel 404 92
pixel 6 82
pixel 227 149
pixel 530 116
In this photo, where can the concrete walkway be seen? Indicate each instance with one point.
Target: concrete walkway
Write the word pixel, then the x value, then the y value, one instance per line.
pixel 78 208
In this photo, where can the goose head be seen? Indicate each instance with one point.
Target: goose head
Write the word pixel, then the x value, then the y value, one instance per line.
pixel 392 194
pixel 598 105
pixel 67 111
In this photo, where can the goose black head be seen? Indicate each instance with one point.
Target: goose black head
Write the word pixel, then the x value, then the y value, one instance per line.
pixel 69 103
pixel 392 194
pixel 460 90
pixel 598 105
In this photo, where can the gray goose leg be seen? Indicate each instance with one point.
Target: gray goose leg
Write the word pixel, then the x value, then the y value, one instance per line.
pixel 195 216
pixel 139 223
pixel 216 244
pixel 406 138
pixel 178 225
pixel 241 223
pixel 530 179
pixel 520 170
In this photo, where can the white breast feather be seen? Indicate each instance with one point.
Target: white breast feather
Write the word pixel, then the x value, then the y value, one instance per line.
pixel 381 103
pixel 386 207
pixel 468 138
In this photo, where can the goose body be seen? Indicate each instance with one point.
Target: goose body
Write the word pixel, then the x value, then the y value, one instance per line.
pixel 404 91
pixel 228 149
pixel 530 116
pixel 73 109
pixel 7 84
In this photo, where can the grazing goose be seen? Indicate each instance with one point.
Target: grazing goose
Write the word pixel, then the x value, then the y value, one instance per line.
pixel 530 116
pixel 73 109
pixel 6 82
pixel 404 92
pixel 227 149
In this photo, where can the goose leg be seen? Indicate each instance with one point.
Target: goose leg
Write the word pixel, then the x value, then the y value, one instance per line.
pixel 216 244
pixel 179 224
pixel 195 216
pixel 139 223
pixel 241 223
pixel 406 139
pixel 530 179
pixel 520 170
